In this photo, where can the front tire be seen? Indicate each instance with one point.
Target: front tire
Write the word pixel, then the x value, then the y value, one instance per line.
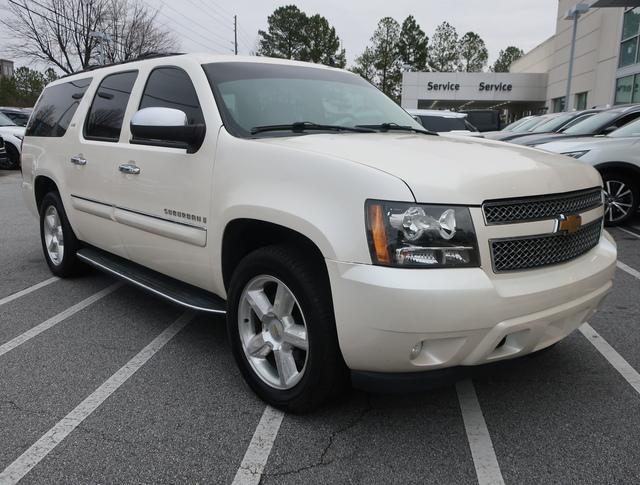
pixel 59 243
pixel 621 198
pixel 282 329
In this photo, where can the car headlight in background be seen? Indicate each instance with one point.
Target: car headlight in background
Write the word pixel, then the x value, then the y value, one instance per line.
pixel 420 236
pixel 576 154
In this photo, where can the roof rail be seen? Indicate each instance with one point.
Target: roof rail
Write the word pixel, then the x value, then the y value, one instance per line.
pixel 149 55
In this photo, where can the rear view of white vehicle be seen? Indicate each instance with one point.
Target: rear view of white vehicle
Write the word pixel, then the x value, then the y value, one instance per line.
pixel 341 239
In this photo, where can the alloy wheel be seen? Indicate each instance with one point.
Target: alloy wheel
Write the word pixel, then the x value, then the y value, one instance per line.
pixel 618 200
pixel 273 332
pixel 53 235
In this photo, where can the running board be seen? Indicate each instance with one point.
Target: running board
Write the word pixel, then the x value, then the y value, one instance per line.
pixel 168 288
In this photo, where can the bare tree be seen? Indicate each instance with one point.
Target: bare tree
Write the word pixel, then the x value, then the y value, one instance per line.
pixel 59 32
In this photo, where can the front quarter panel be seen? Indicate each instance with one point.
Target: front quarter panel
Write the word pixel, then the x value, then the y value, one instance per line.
pixel 318 196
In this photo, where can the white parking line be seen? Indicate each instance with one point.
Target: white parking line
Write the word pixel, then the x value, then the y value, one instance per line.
pixel 628 269
pixel 614 358
pixel 52 438
pixel 257 454
pixel 631 233
pixel 26 291
pixel 482 452
pixel 53 321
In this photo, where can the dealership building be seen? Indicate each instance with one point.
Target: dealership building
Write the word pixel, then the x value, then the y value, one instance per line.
pixel 606 68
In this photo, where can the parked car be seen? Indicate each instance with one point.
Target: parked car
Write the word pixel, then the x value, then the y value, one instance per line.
pixel 19 116
pixel 444 121
pixel 12 135
pixel 520 130
pixel 602 123
pixel 483 119
pixel 340 238
pixel 557 124
pixel 617 158
pixel 4 159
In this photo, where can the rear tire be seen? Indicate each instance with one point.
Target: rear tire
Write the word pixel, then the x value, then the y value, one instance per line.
pixel 621 198
pixel 14 156
pixel 59 243
pixel 302 316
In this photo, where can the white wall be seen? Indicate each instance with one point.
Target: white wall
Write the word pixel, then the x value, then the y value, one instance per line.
pixel 524 87
pixel 596 57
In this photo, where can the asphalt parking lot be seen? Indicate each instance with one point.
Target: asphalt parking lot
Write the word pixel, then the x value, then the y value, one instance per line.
pixel 102 383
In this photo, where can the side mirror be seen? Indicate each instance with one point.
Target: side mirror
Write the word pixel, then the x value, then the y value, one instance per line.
pixel 609 129
pixel 166 127
pixel 418 119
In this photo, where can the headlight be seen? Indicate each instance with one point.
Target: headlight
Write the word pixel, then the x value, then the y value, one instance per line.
pixel 420 236
pixel 577 154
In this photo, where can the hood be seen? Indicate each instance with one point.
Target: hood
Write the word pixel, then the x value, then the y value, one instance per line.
pixel 460 133
pixel 12 130
pixel 452 170
pixel 538 139
pixel 587 143
pixel 498 135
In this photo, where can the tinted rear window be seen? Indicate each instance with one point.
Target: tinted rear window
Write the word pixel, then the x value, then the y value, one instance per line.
pixel 442 123
pixel 56 107
pixel 104 120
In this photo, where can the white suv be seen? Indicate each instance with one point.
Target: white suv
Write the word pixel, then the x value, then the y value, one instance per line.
pixel 335 232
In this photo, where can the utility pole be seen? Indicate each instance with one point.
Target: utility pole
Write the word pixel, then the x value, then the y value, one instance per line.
pixel 102 38
pixel 235 34
pixel 573 14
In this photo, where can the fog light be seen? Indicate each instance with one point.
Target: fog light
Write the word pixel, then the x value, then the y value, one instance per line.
pixel 415 351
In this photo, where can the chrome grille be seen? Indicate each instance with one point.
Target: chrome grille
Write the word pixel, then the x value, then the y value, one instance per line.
pixel 536 251
pixel 509 211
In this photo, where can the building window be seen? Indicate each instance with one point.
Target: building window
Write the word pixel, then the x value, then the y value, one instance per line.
pixel 558 104
pixel 581 101
pixel 629 51
pixel 627 89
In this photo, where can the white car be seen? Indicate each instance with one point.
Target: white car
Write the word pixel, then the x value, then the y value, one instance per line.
pixel 340 238
pixel 444 122
pixel 617 158
pixel 12 135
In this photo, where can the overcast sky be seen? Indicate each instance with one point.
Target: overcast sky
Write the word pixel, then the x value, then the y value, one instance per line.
pixel 206 25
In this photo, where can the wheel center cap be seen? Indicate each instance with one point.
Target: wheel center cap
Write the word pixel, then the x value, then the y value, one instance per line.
pixel 276 330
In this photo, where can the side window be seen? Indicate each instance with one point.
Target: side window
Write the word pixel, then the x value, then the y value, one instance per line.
pixel 171 87
pixel 104 120
pixel 626 119
pixel 56 107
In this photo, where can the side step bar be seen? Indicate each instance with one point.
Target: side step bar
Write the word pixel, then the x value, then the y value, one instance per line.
pixel 168 288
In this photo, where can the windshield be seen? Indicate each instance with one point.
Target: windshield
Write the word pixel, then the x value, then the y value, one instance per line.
pixel 511 126
pixel 528 125
pixel 19 119
pixel 252 95
pixel 592 125
pixel 442 123
pixel 630 129
pixel 5 120
pixel 553 124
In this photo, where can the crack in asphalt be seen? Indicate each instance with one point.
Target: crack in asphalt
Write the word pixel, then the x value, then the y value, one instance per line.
pixel 321 462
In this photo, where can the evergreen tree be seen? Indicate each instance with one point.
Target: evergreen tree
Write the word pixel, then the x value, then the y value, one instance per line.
pixel 413 45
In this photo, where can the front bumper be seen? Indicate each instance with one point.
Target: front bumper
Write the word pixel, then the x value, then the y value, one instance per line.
pixel 462 316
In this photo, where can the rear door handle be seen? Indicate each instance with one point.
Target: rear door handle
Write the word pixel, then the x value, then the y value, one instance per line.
pixel 129 168
pixel 78 160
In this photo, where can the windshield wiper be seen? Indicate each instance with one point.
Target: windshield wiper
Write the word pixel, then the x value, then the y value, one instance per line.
pixel 396 127
pixel 302 126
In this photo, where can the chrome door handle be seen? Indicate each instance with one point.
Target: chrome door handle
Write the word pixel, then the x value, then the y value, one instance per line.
pixel 130 168
pixel 78 160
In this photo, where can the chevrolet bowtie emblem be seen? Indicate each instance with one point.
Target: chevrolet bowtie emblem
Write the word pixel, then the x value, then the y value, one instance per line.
pixel 568 224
